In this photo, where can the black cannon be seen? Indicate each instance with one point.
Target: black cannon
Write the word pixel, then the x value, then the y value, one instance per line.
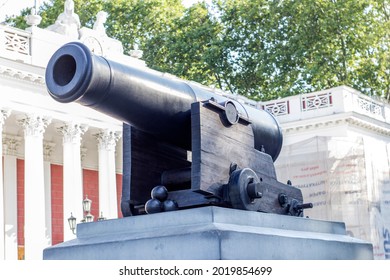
pixel 184 145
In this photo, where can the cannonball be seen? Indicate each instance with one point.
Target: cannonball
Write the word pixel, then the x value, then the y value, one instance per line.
pixel 170 205
pixel 153 206
pixel 159 192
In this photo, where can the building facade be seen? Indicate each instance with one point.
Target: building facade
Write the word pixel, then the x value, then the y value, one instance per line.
pixel 336 149
pixel 54 155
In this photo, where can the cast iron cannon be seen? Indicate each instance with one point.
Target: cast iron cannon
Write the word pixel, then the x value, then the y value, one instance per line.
pixel 183 144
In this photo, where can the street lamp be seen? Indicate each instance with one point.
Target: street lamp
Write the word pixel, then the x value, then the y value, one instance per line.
pixel 101 217
pixel 87 204
pixel 72 222
pixel 88 217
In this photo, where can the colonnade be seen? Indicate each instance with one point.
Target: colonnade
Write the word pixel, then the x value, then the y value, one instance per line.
pixel 37 180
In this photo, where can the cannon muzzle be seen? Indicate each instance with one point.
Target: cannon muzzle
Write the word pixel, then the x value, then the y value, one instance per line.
pixel 148 100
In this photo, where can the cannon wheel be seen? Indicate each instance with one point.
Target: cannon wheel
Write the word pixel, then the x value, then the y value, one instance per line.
pixel 238 189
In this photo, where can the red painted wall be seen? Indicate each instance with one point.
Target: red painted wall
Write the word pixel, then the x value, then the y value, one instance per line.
pixel 119 192
pixel 57 204
pixel 90 188
pixel 20 200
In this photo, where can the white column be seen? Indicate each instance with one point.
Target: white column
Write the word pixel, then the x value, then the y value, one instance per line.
pixel 108 204
pixel 3 115
pixel 10 147
pixel 73 185
pixel 48 148
pixel 34 186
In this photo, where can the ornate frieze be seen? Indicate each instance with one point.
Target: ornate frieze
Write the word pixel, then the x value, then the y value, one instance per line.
pixel 11 143
pixel 23 75
pixel 48 148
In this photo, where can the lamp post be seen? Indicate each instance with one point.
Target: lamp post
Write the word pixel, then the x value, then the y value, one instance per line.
pixel 101 217
pixel 72 223
pixel 87 204
pixel 88 217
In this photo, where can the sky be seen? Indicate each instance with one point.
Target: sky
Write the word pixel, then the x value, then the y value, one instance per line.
pixel 12 7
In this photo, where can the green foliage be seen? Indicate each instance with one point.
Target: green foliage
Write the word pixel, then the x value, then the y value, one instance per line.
pixel 185 50
pixel 18 21
pixel 288 47
pixel 263 49
pixel 140 21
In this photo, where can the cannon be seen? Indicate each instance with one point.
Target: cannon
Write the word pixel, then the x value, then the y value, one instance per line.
pixel 184 145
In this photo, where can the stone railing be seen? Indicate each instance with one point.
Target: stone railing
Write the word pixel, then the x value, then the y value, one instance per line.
pixel 278 108
pixel 316 101
pixel 368 106
pixel 36 45
pixel 15 44
pixel 336 100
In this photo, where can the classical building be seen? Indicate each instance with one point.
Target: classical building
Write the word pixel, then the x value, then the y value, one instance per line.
pixel 337 150
pixel 54 155
pixel 336 147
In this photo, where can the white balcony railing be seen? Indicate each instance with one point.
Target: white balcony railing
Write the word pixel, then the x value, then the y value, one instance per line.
pixel 15 44
pixel 367 106
pixel 336 100
pixel 279 108
pixel 316 101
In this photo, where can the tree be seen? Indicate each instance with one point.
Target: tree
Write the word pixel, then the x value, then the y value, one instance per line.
pixel 138 22
pixel 189 49
pixel 287 47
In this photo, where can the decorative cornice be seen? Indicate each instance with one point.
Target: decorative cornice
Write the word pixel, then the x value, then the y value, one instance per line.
pixel 352 119
pixel 382 130
pixel 21 75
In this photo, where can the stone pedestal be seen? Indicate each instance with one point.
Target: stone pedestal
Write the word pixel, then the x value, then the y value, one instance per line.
pixel 211 233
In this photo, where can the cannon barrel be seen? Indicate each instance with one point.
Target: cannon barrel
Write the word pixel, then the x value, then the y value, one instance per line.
pixel 148 100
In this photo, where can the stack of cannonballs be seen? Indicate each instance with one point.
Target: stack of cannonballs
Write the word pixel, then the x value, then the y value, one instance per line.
pixel 159 201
